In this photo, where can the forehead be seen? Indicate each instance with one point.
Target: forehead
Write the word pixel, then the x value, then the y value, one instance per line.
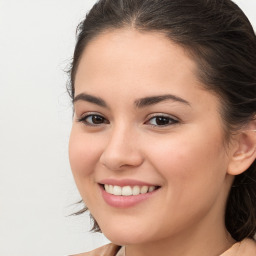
pixel 128 52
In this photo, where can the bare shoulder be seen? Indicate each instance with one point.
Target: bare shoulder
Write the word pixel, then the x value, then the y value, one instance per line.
pixel 248 247
pixel 105 250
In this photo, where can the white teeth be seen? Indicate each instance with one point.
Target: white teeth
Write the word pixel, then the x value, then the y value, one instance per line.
pixel 110 187
pixel 128 190
pixel 117 191
pixel 135 190
pixel 151 188
pixel 144 190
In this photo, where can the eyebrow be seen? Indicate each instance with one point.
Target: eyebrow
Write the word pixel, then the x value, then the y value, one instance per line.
pixel 139 103
pixel 147 101
pixel 92 99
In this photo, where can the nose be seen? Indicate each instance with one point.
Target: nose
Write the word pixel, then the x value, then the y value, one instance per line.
pixel 122 150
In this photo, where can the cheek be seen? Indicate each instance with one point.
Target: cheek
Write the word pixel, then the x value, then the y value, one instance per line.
pixel 83 154
pixel 194 174
pixel 190 163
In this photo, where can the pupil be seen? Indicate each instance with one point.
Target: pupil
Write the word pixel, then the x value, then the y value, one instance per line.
pixel 162 120
pixel 97 119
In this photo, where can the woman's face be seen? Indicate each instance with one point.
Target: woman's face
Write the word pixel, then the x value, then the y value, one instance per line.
pixel 145 127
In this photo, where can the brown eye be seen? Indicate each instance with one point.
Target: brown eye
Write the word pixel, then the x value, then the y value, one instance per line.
pixel 162 121
pixel 97 119
pixel 93 120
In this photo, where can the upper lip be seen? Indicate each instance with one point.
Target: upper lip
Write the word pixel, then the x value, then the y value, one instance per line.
pixel 125 182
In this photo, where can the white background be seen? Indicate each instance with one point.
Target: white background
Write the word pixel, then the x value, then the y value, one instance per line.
pixel 36 186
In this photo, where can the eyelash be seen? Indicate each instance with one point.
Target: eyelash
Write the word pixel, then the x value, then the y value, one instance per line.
pixel 84 120
pixel 162 117
pixel 158 117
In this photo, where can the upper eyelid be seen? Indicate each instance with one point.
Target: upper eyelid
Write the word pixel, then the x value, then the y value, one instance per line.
pixel 88 114
pixel 162 115
pixel 91 113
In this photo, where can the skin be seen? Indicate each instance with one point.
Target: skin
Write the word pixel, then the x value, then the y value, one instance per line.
pixel 186 157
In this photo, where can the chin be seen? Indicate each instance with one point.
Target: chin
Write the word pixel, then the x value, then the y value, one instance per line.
pixel 125 234
pixel 123 238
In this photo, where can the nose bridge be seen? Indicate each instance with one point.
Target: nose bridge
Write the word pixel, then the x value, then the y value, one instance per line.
pixel 122 148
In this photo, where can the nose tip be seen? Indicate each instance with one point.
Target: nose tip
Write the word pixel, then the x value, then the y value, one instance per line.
pixel 117 162
pixel 120 153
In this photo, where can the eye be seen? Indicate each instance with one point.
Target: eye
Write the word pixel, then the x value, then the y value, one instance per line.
pixel 93 120
pixel 161 120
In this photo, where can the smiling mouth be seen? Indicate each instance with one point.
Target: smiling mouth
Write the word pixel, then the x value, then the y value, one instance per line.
pixel 128 190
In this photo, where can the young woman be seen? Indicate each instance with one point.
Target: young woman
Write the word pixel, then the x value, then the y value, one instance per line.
pixel 163 143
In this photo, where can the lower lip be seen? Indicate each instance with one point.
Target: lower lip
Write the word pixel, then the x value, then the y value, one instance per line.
pixel 125 201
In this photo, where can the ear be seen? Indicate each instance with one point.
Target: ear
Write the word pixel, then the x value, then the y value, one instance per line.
pixel 243 152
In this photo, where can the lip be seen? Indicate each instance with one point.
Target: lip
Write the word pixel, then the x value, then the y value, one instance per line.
pixel 125 201
pixel 126 182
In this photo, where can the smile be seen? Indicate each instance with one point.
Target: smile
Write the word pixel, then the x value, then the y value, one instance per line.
pixel 124 195
pixel 128 190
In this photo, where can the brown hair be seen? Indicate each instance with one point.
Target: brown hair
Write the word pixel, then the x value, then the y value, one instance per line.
pixel 220 38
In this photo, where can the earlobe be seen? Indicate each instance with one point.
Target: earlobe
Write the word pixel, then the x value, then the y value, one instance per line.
pixel 244 153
